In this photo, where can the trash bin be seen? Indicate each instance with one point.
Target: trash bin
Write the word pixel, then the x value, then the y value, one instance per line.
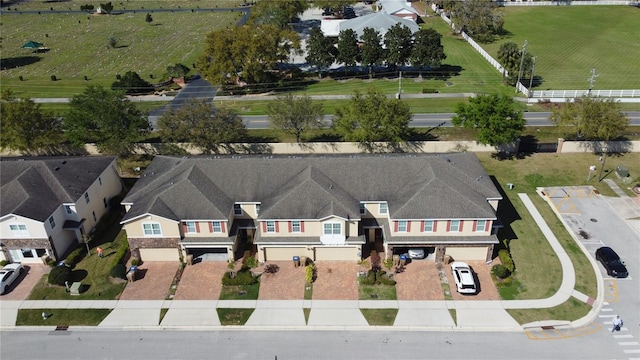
pixel 622 171
pixel 296 261
pixel 403 259
pixel 133 269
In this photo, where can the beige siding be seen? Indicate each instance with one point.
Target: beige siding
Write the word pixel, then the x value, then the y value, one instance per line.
pixel 35 228
pixel 203 227
pixel 336 253
pixel 311 229
pixel 441 229
pixel 169 228
pixel 248 212
pixel 494 204
pixel 285 253
pixel 160 254
pixel 467 253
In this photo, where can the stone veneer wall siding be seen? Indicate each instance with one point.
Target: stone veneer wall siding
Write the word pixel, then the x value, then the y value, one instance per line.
pixel 149 243
pixel 11 244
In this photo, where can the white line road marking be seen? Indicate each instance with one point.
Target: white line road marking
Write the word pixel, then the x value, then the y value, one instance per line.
pixel 634 351
pixel 606 309
pixel 628 343
pixel 626 336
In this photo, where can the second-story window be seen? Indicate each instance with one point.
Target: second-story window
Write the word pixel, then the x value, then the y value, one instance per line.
pixel 86 197
pixel 52 222
pixel 384 209
pixel 237 209
pixel 190 227
pixel 402 226
pixel 271 226
pixel 295 227
pixel 363 210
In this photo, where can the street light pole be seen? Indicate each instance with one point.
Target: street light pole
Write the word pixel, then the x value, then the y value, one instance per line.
pixel 533 68
pixel 524 49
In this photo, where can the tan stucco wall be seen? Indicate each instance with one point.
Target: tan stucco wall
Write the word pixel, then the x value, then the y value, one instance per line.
pixel 285 253
pixel 160 254
pixel 36 228
pixel 441 229
pixel 467 253
pixel 204 230
pixel 169 228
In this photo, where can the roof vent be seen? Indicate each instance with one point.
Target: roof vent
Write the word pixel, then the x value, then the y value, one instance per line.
pixel 64 162
pixel 56 168
pixel 331 187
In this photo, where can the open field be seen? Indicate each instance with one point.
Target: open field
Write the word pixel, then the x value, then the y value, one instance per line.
pixel 569 41
pixel 78 47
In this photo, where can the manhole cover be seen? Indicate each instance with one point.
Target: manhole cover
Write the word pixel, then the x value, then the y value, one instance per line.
pixel 593 220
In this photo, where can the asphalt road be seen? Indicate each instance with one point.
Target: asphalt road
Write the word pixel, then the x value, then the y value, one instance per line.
pixel 284 345
pixel 432 120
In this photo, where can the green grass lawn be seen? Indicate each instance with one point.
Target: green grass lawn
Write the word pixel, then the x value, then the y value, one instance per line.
pixel 234 316
pixel 569 41
pixel 61 317
pixel 78 46
pixel 380 317
pixel 240 292
pixel 377 292
pixel 570 310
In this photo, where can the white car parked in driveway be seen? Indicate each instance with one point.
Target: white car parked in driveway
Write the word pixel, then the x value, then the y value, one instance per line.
pixel 463 276
pixel 9 274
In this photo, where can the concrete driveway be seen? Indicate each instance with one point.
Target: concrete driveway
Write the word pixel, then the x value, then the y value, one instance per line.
pixel 153 281
pixel 337 280
pixel 486 290
pixel 201 281
pixel 419 281
pixel 287 284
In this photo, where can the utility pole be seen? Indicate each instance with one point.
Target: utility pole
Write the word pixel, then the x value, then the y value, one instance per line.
pixel 533 69
pixel 592 80
pixel 524 50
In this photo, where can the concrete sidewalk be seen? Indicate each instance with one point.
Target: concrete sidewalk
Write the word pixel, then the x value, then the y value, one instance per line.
pixel 427 315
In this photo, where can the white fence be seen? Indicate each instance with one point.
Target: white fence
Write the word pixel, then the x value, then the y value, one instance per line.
pixel 564 3
pixel 545 94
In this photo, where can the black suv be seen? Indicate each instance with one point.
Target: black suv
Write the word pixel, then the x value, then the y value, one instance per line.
pixel 611 262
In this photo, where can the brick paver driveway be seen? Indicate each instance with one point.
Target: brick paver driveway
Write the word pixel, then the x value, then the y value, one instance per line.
pixel 201 281
pixel 153 281
pixel 487 290
pixel 22 287
pixel 287 284
pixel 337 280
pixel 419 281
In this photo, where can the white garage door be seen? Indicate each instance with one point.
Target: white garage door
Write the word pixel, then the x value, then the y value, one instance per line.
pixel 336 253
pixel 283 254
pixel 467 253
pixel 159 254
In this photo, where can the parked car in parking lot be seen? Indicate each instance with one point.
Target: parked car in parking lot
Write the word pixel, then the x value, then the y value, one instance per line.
pixel 8 275
pixel 611 262
pixel 463 276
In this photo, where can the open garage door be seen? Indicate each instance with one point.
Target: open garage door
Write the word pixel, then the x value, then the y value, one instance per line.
pixel 284 253
pixel 160 254
pixel 337 253
pixel 209 254
pixel 467 253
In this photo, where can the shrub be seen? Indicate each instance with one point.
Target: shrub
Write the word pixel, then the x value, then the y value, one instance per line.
pixel 506 260
pixel 384 279
pixel 242 278
pixel 388 263
pixel 75 256
pixel 135 262
pixel 310 273
pixel 369 279
pixel 271 269
pixel 500 271
pixel 250 262
pixel 119 271
pixel 429 91
pixel 59 275
pixel 119 257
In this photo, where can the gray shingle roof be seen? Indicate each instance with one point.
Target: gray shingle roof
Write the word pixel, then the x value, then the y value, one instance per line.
pixel 311 187
pixel 35 187
pixel 380 21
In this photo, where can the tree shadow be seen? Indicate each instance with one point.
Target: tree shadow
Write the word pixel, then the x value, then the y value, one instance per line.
pixel 15 62
pixel 78 275
pixel 444 72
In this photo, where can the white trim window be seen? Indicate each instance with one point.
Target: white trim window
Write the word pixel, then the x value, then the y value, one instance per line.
pixel 480 225
pixel 384 208
pixel 455 226
pixel 237 210
pixel 86 197
pixel 402 225
pixel 296 227
pixel 331 228
pixel 428 226
pixel 271 226
pixel 216 226
pixel 363 209
pixel 19 230
pixel 52 222
pixel 190 227
pixel 257 209
pixel 69 209
pixel 151 229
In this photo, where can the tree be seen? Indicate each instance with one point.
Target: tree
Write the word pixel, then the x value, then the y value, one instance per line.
pixel 107 118
pixel 132 83
pixel 510 56
pixel 107 8
pixel 348 50
pixel 480 19
pixel 593 119
pixel 371 118
pixel 177 70
pixel 494 116
pixel 427 49
pixel 321 51
pixel 397 40
pixel 25 127
pixel 202 125
pixel 148 19
pixel 295 115
pixel 112 41
pixel 246 53
pixel 372 51
pixel 277 12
